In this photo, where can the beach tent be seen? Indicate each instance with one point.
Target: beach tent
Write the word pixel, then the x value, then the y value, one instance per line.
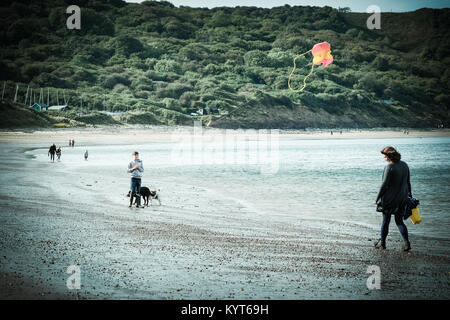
pixel 40 106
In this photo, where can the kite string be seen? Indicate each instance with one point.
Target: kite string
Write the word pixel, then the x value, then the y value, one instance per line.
pixel 293 70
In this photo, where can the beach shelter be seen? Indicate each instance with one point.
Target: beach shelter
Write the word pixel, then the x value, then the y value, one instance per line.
pixel 40 106
pixel 58 108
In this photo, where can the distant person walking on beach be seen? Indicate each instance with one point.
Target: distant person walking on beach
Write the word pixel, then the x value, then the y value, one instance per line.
pixel 394 190
pixel 70 142
pixel 58 154
pixel 73 143
pixel 86 154
pixel 136 168
pixel 51 152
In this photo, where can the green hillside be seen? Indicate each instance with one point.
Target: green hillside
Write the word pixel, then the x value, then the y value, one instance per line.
pixel 17 116
pixel 153 63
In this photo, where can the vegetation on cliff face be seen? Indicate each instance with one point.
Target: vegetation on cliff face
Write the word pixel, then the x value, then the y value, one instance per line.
pixel 17 116
pixel 161 63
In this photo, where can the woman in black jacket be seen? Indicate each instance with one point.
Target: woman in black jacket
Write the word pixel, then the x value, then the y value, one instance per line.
pixel 51 152
pixel 394 190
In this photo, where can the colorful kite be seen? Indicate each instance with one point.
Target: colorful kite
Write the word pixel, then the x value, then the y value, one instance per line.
pixel 322 55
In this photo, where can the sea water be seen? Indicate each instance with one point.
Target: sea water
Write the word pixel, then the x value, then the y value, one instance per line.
pixel 329 179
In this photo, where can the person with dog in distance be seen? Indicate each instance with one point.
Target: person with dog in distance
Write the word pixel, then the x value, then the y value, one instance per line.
pixel 135 168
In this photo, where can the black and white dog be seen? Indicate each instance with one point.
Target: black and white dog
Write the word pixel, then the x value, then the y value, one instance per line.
pixel 147 194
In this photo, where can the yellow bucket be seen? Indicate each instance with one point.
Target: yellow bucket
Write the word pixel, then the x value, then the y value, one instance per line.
pixel 415 217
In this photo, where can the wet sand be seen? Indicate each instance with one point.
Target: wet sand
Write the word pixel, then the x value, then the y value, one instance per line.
pixel 197 245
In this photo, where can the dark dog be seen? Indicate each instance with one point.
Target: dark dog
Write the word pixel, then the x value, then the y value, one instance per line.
pixel 147 194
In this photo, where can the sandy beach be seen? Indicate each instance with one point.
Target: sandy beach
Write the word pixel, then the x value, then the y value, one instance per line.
pixel 123 134
pixel 201 243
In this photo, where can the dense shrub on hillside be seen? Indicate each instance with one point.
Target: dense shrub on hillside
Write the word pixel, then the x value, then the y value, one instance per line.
pixel 29 71
pixel 173 90
pixel 93 22
pixel 147 118
pixel 112 80
pixel 370 82
pixel 126 45
pixel 167 66
pixel 96 118
pixel 177 29
pixel 48 79
pixel 177 60
pixel 256 58
pixel 93 54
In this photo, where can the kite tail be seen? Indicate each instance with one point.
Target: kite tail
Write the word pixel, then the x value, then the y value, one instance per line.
pixel 293 70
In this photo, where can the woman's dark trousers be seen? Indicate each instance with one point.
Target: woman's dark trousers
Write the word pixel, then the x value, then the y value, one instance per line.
pixel 400 225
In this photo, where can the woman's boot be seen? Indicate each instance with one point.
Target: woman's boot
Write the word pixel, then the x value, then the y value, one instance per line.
pixel 380 244
pixel 406 245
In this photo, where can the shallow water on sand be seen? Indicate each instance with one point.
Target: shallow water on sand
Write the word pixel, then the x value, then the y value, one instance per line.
pixel 333 180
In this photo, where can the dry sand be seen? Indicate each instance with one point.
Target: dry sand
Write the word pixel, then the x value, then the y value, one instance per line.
pixel 201 247
pixel 138 134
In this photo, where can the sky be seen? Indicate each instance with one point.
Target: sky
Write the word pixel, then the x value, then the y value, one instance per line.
pixel 354 5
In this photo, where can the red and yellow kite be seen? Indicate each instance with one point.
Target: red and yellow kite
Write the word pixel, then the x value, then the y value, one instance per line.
pixel 321 55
